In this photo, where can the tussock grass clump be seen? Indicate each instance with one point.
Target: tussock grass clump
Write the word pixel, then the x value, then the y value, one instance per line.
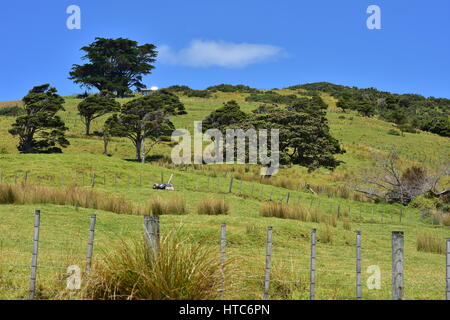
pixel 326 235
pixel 298 212
pixel 175 206
pixel 347 224
pixel 179 271
pixel 24 193
pixel 430 243
pixel 214 206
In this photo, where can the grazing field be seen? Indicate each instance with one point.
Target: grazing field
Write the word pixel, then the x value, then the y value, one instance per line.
pixel 64 233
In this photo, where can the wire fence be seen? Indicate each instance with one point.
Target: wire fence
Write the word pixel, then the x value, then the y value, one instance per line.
pixel 353 210
pixel 54 252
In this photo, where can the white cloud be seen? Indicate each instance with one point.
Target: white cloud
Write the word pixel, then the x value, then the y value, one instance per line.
pixel 218 53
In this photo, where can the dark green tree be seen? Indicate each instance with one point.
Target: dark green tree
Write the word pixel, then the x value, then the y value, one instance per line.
pixel 226 116
pixel 39 129
pixel 365 108
pixel 94 107
pixel 305 138
pixel 115 65
pixel 147 118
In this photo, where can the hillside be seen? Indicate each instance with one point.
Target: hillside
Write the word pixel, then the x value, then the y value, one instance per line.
pixel 362 137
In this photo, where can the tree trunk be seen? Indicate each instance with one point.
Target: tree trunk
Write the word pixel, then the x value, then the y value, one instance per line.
pixel 105 145
pixel 138 150
pixel 88 127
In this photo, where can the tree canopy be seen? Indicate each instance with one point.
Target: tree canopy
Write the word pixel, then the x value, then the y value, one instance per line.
pixel 115 65
pixel 304 138
pixel 147 118
pixel 94 107
pixel 39 129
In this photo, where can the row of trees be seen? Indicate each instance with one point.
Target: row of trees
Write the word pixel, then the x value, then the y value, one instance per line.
pixel 41 130
pixel 305 137
pixel 408 111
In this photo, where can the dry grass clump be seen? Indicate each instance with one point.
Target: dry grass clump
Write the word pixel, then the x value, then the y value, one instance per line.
pixel 174 206
pixel 347 224
pixel 179 271
pixel 326 235
pixel 24 193
pixel 214 206
pixel 430 243
pixel 298 212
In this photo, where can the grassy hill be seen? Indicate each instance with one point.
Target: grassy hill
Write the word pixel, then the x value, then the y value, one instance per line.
pixel 65 228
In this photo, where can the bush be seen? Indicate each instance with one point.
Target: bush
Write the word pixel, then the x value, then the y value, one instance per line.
pixel 174 206
pixel 394 132
pixel 179 271
pixel 13 111
pixel 430 243
pixel 214 206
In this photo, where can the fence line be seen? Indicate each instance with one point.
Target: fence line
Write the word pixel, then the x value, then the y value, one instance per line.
pixel 319 282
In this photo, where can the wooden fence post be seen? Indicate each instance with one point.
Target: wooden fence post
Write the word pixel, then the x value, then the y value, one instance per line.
pixel 358 265
pixel 34 259
pixel 339 211
pixel 90 243
pixel 397 265
pixel 151 228
pixel 230 189
pixel 223 244
pixel 268 264
pixel 93 180
pixel 312 273
pixel 288 197
pixel 447 270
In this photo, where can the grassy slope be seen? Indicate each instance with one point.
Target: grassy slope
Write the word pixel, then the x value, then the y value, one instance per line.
pixel 361 137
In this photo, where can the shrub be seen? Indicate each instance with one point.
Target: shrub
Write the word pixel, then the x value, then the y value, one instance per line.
pixel 13 111
pixel 430 243
pixel 394 132
pixel 179 271
pixel 175 206
pixel 214 206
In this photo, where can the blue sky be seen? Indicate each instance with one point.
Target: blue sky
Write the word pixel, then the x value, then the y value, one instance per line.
pixel 264 44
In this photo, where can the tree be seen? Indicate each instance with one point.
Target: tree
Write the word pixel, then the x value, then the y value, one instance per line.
pixel 39 129
pixel 94 107
pixel 224 117
pixel 366 108
pixel 344 105
pixel 305 138
pixel 390 182
pixel 115 65
pixel 147 117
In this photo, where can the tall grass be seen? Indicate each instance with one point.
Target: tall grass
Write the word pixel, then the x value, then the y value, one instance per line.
pixel 298 212
pixel 430 243
pixel 214 206
pixel 24 193
pixel 174 206
pixel 180 271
